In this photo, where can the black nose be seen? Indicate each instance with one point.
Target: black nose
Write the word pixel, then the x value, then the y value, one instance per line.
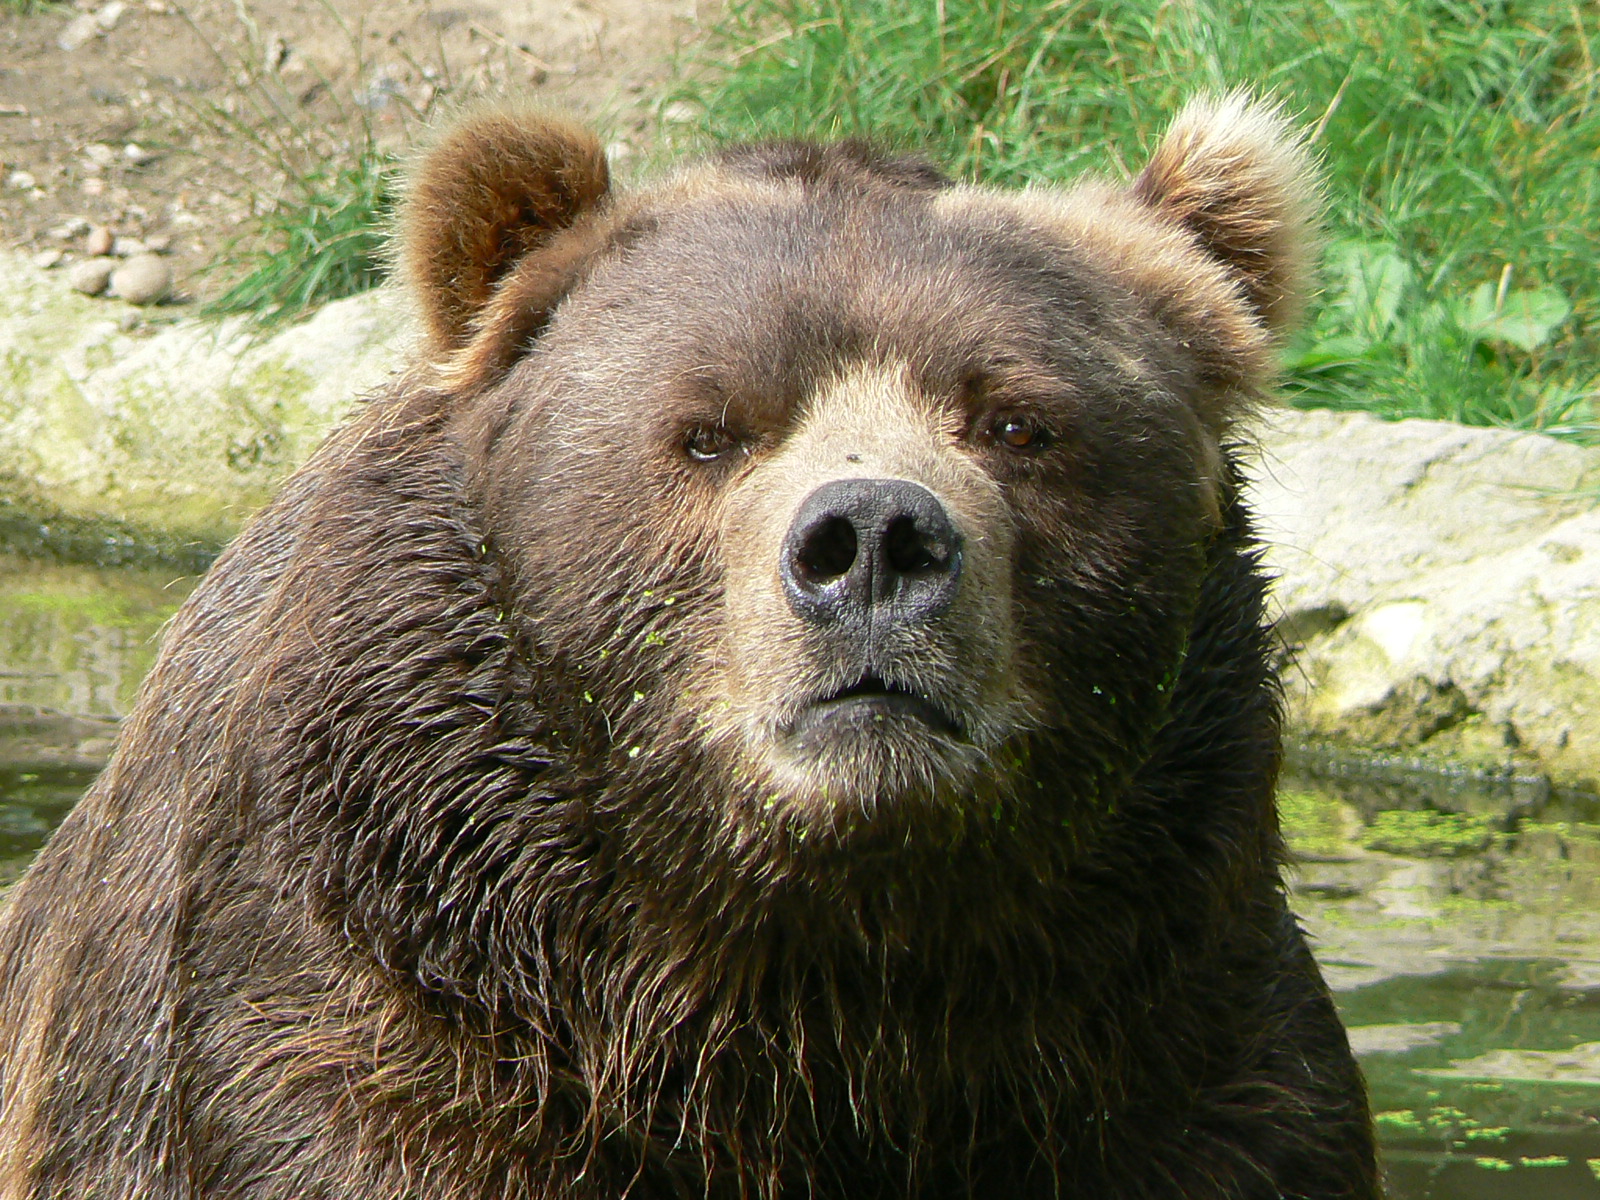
pixel 871 550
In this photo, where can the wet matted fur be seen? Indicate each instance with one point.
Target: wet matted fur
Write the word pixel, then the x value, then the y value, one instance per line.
pixel 526 806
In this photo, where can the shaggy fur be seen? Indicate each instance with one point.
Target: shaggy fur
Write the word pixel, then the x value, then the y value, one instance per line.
pixel 463 844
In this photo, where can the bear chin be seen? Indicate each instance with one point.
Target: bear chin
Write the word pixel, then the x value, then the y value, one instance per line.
pixel 871 752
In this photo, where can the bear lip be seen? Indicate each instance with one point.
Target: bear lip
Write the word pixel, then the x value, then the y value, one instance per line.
pixel 871 697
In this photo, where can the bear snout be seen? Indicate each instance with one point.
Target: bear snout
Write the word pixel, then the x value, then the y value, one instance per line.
pixel 871 554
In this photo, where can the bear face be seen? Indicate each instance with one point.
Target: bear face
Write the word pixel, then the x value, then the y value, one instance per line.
pixel 857 480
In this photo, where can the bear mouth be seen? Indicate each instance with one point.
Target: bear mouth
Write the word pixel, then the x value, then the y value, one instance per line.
pixel 869 704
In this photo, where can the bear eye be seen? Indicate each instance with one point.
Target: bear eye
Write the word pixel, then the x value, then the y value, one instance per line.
pixel 708 443
pixel 1018 431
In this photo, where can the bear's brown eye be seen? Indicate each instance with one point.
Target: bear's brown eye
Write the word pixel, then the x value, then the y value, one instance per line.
pixel 1018 431
pixel 708 443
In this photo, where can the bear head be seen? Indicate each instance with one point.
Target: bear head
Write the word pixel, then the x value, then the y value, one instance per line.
pixel 842 497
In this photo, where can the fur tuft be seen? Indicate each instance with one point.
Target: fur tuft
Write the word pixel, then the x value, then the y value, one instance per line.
pixel 496 186
pixel 1234 173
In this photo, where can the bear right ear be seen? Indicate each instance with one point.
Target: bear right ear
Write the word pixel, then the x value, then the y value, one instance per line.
pixel 497 193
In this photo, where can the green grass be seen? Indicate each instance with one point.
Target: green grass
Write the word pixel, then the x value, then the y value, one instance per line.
pixel 321 241
pixel 322 184
pixel 1460 141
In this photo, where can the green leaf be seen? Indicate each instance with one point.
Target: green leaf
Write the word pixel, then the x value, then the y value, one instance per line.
pixel 1367 281
pixel 1525 318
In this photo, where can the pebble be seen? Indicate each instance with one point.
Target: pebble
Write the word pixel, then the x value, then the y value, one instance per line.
pixel 20 181
pixel 143 279
pixel 127 247
pixel 91 275
pixel 137 155
pixel 78 31
pixel 46 259
pixel 90 25
pixel 99 241
pixel 158 243
pixel 69 229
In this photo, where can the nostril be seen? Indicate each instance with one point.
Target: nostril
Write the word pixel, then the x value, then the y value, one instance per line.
pixel 828 551
pixel 909 551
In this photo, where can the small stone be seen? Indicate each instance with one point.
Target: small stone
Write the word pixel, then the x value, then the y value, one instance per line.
pixel 91 275
pixel 79 30
pixel 109 14
pixel 275 53
pixel 46 259
pixel 143 279
pixel 127 247
pixel 100 154
pixel 158 243
pixel 679 113
pixel 70 228
pixel 99 241
pixel 137 155
pixel 129 320
pixel 21 181
pixel 93 186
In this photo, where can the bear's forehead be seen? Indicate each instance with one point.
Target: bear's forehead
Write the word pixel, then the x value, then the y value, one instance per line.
pixel 782 270
pixel 793 232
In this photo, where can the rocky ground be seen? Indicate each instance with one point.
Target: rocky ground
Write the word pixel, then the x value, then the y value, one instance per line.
pixel 159 126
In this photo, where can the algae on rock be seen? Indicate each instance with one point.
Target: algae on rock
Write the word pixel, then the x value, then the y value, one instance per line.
pixel 187 428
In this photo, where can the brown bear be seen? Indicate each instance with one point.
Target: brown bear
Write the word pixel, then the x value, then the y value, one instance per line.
pixel 776 704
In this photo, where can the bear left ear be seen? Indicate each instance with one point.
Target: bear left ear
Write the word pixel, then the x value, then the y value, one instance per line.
pixel 1235 175
pixel 491 207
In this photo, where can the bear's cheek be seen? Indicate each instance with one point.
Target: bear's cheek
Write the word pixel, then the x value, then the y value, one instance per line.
pixel 868 640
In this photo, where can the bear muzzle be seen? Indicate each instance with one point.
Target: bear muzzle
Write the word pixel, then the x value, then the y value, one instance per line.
pixel 865 560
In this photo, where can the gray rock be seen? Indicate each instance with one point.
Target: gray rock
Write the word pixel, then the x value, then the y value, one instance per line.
pixel 91 275
pixel 1439 588
pixel 143 279
pixel 185 428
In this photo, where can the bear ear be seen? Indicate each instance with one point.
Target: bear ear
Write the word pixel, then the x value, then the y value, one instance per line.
pixel 497 187
pixel 1236 176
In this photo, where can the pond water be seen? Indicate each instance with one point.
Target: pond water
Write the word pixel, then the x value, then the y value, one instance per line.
pixel 1459 926
pixel 1457 919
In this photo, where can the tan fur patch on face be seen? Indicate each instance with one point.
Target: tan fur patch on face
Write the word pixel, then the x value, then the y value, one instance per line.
pixel 869 422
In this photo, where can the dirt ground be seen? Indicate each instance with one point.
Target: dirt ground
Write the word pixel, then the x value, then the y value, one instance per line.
pixel 165 122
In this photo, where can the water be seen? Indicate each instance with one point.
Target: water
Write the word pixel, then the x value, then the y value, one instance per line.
pixel 33 799
pixel 1459 926
pixel 1458 920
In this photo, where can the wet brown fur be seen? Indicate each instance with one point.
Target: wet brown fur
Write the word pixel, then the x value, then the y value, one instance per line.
pixel 451 852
